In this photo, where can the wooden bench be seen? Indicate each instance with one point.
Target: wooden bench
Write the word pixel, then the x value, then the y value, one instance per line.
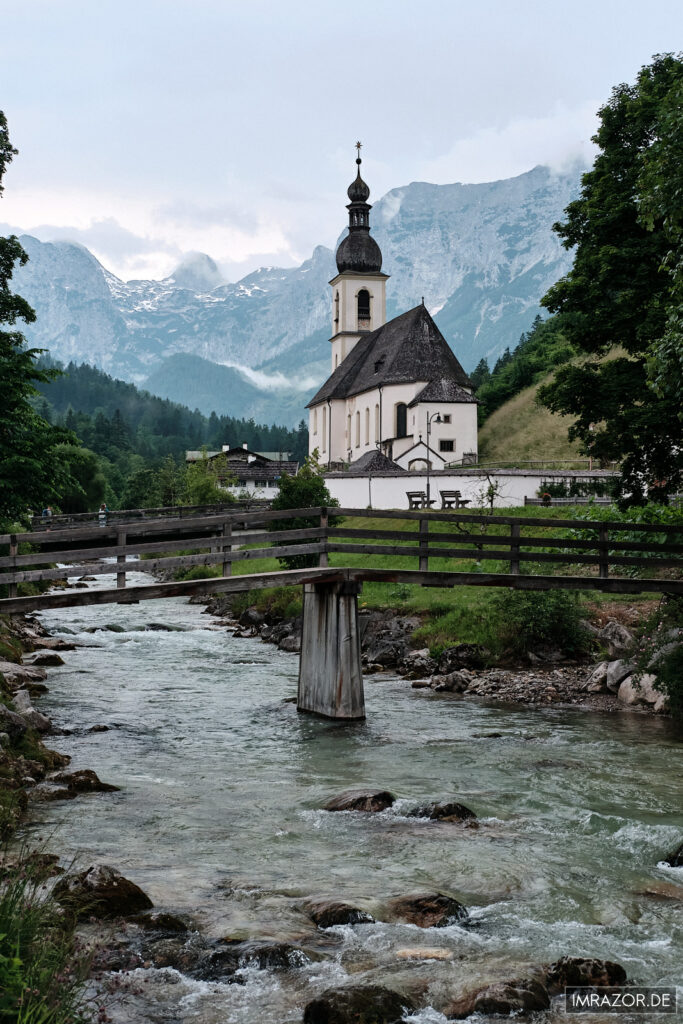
pixel 452 499
pixel 416 499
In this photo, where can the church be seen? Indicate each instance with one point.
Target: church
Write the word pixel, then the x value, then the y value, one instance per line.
pixel 396 387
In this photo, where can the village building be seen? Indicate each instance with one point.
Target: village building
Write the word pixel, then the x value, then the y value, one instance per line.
pixel 396 387
pixel 257 473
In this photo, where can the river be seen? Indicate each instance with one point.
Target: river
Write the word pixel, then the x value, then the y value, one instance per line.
pixel 219 816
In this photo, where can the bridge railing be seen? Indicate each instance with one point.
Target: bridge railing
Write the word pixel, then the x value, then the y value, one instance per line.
pixel 510 545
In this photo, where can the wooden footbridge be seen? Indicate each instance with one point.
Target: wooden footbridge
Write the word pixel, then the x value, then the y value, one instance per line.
pixel 518 552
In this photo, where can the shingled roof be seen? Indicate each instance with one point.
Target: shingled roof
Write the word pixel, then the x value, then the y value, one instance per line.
pixel 406 349
pixel 375 462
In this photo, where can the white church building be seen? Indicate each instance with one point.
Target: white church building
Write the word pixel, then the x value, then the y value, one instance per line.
pixel 396 387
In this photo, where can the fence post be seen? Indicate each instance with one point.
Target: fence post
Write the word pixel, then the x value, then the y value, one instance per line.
pixel 323 558
pixel 227 546
pixel 603 552
pixel 424 545
pixel 13 549
pixel 514 549
pixel 120 576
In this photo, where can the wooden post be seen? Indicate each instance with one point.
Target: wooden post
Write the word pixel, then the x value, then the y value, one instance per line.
pixel 323 558
pixel 227 546
pixel 514 549
pixel 603 552
pixel 13 549
pixel 424 545
pixel 330 676
pixel 120 576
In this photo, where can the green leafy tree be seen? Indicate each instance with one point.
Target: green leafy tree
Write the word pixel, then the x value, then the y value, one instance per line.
pixel 616 303
pixel 204 481
pixel 305 490
pixel 85 485
pixel 27 441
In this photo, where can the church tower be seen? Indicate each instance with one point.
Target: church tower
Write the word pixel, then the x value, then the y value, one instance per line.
pixel 359 289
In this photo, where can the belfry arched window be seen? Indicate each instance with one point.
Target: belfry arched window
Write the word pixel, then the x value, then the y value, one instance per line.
pixel 363 309
pixel 336 307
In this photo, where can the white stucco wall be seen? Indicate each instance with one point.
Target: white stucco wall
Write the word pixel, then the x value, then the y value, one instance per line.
pixel 386 491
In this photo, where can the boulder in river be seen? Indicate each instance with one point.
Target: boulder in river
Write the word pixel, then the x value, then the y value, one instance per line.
pixel 443 812
pixel 675 858
pixel 328 913
pixel 428 910
pixel 373 1004
pixel 369 800
pixel 251 617
pixel 524 995
pixel 582 971
pixel 101 891
pixel 44 658
pixel 84 781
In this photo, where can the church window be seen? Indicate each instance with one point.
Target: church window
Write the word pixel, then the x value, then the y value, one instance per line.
pixel 357 430
pixel 324 430
pixel 446 418
pixel 377 437
pixel 367 426
pixel 401 420
pixel 446 446
pixel 336 361
pixel 315 421
pixel 363 309
pixel 348 430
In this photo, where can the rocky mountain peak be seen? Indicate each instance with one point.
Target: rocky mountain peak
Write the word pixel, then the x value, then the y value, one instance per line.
pixel 197 273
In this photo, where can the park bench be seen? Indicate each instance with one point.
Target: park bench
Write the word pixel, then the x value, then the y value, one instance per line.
pixel 416 499
pixel 452 499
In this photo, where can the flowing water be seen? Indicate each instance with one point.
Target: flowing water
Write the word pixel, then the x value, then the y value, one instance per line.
pixel 219 816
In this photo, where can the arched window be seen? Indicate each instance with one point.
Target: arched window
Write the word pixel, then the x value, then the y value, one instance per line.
pixel 363 309
pixel 324 415
pixel 401 420
pixel 367 426
pixel 315 421
pixel 348 430
pixel 357 430
pixel 377 437
pixel 336 307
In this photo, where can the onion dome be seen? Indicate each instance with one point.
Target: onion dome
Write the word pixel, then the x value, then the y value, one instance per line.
pixel 358 252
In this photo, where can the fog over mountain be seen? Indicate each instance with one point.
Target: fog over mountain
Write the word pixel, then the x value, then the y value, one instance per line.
pixel 481 255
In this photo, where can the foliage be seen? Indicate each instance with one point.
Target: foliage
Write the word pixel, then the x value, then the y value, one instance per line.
pixel 523 620
pixel 578 488
pixel 617 294
pixel 42 972
pixel 660 650
pixel 84 484
pixel 651 515
pixel 305 490
pixel 27 441
pixel 539 350
pixel 203 481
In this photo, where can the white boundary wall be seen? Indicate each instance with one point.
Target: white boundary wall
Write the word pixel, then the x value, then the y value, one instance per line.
pixel 387 490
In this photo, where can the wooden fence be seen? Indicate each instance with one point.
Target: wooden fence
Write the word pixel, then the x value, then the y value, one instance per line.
pixel 524 545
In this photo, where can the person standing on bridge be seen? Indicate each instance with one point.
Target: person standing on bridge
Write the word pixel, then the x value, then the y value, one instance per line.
pixel 102 514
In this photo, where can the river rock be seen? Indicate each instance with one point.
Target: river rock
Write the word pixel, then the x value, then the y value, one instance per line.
pixel 101 891
pixel 387 653
pixel 425 953
pixel 290 643
pixel 4 740
pixel 443 812
pixel 44 658
pixel 373 1004
pixel 53 643
pixel 639 690
pixel 18 675
pixel 661 891
pixel 428 910
pixel 163 921
pixel 272 956
pixel 84 781
pixel 461 656
pixel 34 719
pixel 582 971
pixel 251 617
pixel 12 723
pixel 675 858
pixel 597 680
pixel 616 638
pixel 524 995
pixel 417 664
pixel 617 671
pixel 369 800
pixel 454 682
pixel 328 913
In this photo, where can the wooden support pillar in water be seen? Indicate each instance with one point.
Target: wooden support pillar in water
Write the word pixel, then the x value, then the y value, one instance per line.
pixel 330 677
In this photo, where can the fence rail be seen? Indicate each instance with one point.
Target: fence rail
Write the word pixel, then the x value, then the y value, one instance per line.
pixel 228 539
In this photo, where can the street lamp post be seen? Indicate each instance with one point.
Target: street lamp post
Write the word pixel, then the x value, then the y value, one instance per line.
pixel 436 417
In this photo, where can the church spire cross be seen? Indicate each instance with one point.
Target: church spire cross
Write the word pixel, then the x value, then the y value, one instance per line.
pixel 359 146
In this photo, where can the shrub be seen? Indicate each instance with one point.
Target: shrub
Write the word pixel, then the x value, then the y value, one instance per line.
pixel 660 650
pixel 527 619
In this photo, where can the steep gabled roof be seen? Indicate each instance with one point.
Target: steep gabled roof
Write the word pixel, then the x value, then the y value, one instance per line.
pixel 443 389
pixel 375 462
pixel 408 348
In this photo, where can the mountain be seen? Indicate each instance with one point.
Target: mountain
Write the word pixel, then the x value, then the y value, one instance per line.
pixel 482 255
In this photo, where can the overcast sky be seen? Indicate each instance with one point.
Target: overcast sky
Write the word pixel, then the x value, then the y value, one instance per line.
pixel 152 128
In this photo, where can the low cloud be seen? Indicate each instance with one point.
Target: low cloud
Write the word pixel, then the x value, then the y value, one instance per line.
pixel 274 381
